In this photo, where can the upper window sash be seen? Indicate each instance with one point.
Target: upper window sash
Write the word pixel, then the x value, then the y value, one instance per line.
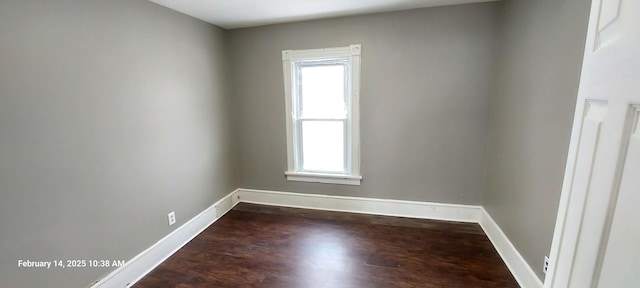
pixel 299 105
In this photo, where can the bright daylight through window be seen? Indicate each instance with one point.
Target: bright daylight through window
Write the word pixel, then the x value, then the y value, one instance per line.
pixel 322 93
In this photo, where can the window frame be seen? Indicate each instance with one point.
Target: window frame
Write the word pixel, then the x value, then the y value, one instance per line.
pixel 292 60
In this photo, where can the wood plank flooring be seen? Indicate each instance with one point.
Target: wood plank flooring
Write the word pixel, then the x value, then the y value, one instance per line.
pixel 266 246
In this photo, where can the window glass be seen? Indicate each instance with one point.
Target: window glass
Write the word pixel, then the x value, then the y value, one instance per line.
pixel 322 91
pixel 323 146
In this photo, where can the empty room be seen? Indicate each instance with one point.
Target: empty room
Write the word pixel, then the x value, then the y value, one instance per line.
pixel 328 144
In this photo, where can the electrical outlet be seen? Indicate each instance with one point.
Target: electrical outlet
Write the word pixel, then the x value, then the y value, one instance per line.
pixel 545 267
pixel 172 218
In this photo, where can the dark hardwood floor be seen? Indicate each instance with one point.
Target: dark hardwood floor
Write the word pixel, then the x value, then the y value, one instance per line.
pixel 265 246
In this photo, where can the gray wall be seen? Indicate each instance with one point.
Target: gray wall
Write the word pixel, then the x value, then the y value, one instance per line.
pixel 112 114
pixel 541 49
pixel 425 88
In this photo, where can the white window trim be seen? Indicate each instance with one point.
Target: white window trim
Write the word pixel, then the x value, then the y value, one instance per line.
pixel 352 54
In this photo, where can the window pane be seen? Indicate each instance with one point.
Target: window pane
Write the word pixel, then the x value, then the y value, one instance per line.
pixel 323 146
pixel 322 91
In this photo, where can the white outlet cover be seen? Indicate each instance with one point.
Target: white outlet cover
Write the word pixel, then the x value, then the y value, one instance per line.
pixel 172 218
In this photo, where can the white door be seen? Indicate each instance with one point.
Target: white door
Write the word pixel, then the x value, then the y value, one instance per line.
pixel 597 237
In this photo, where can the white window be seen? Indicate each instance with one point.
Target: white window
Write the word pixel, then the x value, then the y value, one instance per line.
pixel 322 92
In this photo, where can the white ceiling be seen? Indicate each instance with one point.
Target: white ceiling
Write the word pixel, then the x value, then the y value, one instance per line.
pixel 231 14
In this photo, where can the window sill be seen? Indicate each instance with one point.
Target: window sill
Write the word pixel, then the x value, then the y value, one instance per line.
pixel 324 178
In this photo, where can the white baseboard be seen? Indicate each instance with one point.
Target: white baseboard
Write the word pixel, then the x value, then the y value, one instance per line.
pixel 399 208
pixel 519 267
pixel 143 263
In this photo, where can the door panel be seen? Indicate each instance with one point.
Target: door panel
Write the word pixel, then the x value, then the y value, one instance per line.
pixel 608 16
pixel 621 263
